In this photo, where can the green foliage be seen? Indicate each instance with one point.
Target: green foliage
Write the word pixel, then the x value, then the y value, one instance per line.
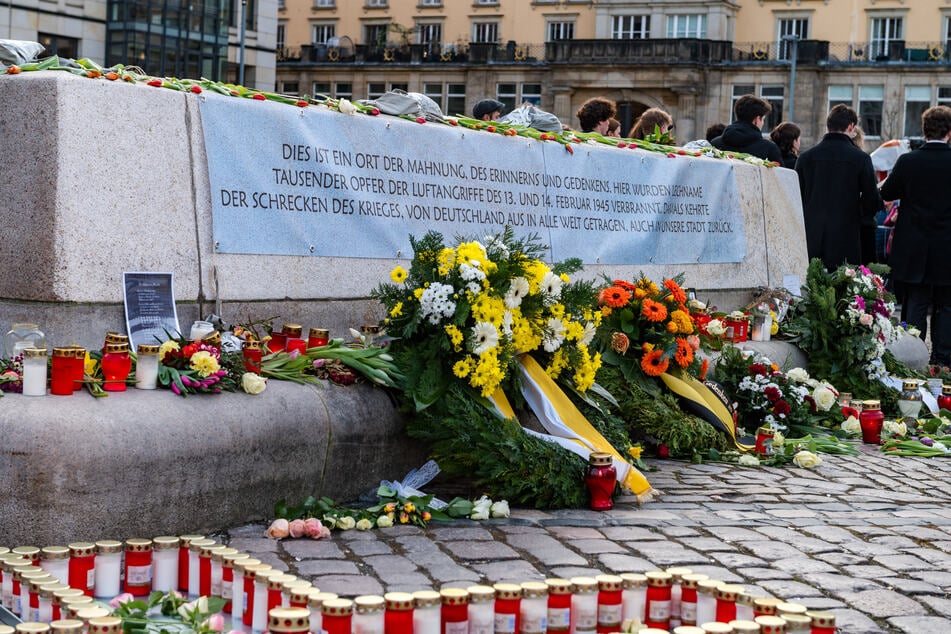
pixel 504 461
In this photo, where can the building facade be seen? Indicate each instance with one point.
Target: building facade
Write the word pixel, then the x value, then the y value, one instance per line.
pixel 889 59
pixel 175 38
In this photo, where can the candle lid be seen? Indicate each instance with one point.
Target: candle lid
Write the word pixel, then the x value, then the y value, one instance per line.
pixel 148 348
pixel 251 344
pixel 45 587
pixel 62 626
pixel 534 589
pixel 319 333
pixel 790 608
pixel 797 622
pixel 741 626
pixel 693 629
pixel 298 591
pixel 104 624
pixel 678 573
pixel 400 601
pixel 230 560
pixel 92 612
pixel 946 390
pixel 338 607
pixel 766 605
pixel 188 539
pixel 6 629
pixel 293 330
pixel 713 627
pixel 32 628
pixel 288 620
pixel 728 591
pixel 51 553
pixel 196 545
pixel 241 565
pixel 559 586
pixel 599 459
pixel 454 596
pixel 34 353
pixel 213 338
pixel 4 551
pixel 116 348
pixel 658 578
pixel 165 542
pixel 481 594
pixel 115 337
pixel 708 586
pixel 370 329
pixel 251 571
pixel 909 384
pixel 37 573
pixel 770 624
pixel 30 552
pixel 821 619
pixel 369 604
pixel 264 577
pixel 426 598
pixel 208 551
pixel 608 583
pixel 691 580
pixel 508 590
pixel 276 582
pixel 745 598
pixel 77 602
pixel 62 353
pixel 316 598
pixel 872 405
pixel 138 545
pixel 67 592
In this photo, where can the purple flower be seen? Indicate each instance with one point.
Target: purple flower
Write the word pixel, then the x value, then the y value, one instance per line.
pixel 860 302
pixel 927 442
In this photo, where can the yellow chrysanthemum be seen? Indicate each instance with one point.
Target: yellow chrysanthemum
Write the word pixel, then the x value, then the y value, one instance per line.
pixel 574 331
pixel 489 308
pixel 462 368
pixel 455 336
pixel 557 310
pixel 446 260
pixel 204 363
pixel 398 275
pixel 524 336
pixel 672 327
pixel 397 310
pixel 534 272
pixel 171 344
pixel 418 293
pixel 487 374
pixel 682 319
pixel 559 361
pixel 635 452
pixel 605 311
pixel 468 251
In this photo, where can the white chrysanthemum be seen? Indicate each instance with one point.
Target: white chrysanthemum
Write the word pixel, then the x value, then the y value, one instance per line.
pixel 485 336
pixel 554 334
pixel 435 304
pixel 518 289
pixel 589 331
pixel 551 285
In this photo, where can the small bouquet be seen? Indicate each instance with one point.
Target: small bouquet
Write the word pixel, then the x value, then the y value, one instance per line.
pixel 193 368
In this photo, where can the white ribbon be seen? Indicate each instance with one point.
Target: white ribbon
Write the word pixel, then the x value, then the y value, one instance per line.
pixel 413 481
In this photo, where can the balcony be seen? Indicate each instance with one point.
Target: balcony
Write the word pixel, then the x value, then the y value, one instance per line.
pixel 645 51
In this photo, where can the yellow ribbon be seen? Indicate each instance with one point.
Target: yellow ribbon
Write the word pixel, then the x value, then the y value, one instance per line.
pixel 690 388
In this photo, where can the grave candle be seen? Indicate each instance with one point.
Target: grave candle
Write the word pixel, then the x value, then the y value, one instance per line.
pixel 61 375
pixel 508 596
pixel 165 563
pixel 77 367
pixel 116 366
pixel 108 568
pixel 55 560
pixel 318 337
pixel 34 372
pixel 481 609
pixel 183 561
pixel 315 602
pixel 146 367
pixel 559 605
pixel 657 610
pixel 584 605
pixel 533 610
pixel 337 616
pixel 289 621
pixel 368 614
pixel 426 612
pixel 398 615
pixel 138 567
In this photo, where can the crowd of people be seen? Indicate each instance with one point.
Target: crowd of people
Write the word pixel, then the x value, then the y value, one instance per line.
pixel 843 198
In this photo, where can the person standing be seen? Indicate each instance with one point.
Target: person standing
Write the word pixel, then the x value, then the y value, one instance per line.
pixel 787 137
pixel 595 114
pixel 838 187
pixel 746 133
pixel 923 231
pixel 488 110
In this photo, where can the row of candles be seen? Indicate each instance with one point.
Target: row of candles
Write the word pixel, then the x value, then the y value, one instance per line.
pixel 55 583
pixel 67 366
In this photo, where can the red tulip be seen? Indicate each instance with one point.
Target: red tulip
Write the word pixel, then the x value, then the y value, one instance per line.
pixel 196 89
pixel 420 120
pixel 157 83
pixel 302 103
pixel 259 97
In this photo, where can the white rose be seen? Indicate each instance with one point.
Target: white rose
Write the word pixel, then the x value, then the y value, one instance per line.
pixel 778 439
pixel 253 383
pixel 851 425
pixel 715 327
pixel 799 375
pixel 806 459
pixel 748 460
pixel 895 428
pixel 481 509
pixel 346 523
pixel 500 509
pixel 346 107
pixel 384 521
pixel 824 398
pixel 364 525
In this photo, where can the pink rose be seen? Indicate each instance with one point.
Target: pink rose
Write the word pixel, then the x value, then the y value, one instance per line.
pixel 278 529
pixel 215 623
pixel 314 529
pixel 866 319
pixel 297 528
pixel 125 597
pixel 693 341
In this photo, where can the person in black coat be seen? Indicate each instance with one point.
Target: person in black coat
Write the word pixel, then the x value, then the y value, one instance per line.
pixel 838 187
pixel 786 136
pixel 746 133
pixel 922 237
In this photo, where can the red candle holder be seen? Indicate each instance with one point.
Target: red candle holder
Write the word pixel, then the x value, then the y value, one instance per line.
pixel 600 477
pixel 871 421
pixel 61 372
pixel 740 329
pixel 764 440
pixel 138 567
pixel 318 337
pixel 116 366
pixel 251 351
pixel 78 367
pixel 276 342
pixel 300 345
pixel 944 401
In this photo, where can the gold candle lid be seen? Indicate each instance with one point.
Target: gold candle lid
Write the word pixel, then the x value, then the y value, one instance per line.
pixel 428 598
pixel 34 353
pixel 790 608
pixel 148 348
pixel 338 607
pixel 107 546
pixel 218 554
pixel 741 627
pixel 509 590
pixel 241 565
pixel 165 542
pixel 369 604
pixel 66 626
pixel 52 553
pixel 766 605
pixel 92 612
pixel 288 620
pixel 293 330
pixel 482 594
pixel 534 589
pixel 599 459
pixel 658 578
pixel 319 333
pixel 821 619
pixel 316 598
pixel 583 585
pixel 559 586
pixel 196 545
pixel 402 601
pixel 872 405
pixel 116 348
pixel 136 545
pixel 63 353
pixel 32 628
pixel 188 539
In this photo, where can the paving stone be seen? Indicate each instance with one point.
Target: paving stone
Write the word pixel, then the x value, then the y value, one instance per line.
pixel 902 562
pixel 624 563
pixel 628 533
pixel 771 549
pixel 934 577
pixel 450 570
pixel 350 585
pixel 514 571
pixel 760 574
pixel 310 549
pixel 789 589
pixel 596 546
pixel 567 572
pixel 404 581
pixel 706 544
pixel 480 550
pixel 547 549
pixel 919 624
pixel 843 559
pixel 737 560
pixel 460 534
pixel 272 559
pixel 569 533
pixel 717 572
pixel 913 587
pixel 834 583
pixel 894 541
pixel 364 548
pixel 391 563
pixel 882 603
pixel 319 567
pixel 418 545
pixel 850 621
pixel 802 565
pixel 264 545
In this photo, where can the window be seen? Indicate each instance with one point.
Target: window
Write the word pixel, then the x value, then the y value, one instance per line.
pixel 281 5
pixel 917 100
pixel 321 32
pixel 324 4
pixel 884 32
pixel 375 34
pixel 487 2
pixel 774 95
pixel 320 89
pixel 281 34
pixel 630 27
pixel 430 3
pixel 944 96
pixel 694 25
pixel 58 45
pixel 429 33
pixel 289 87
pixel 870 109
pixel 376 3
pixel 450 97
pixel 791 28
pixel 375 89
pixel 485 32
pixel 839 94
pixel 343 90
pixel 560 30
pixel 507 94
pixel 532 93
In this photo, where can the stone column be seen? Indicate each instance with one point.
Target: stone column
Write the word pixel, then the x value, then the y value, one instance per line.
pixel 562 106
pixel 685 123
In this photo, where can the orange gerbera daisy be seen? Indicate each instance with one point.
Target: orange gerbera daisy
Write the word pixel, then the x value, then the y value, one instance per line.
pixel 625 285
pixel 704 367
pixel 676 292
pixel 614 296
pixel 654 363
pixel 653 311
pixel 684 354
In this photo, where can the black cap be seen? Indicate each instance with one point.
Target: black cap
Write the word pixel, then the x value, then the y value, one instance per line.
pixel 486 106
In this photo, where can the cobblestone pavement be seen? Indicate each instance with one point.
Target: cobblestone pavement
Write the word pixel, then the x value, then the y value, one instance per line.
pixel 866 537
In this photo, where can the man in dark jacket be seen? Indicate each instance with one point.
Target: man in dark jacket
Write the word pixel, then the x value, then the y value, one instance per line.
pixel 746 133
pixel 838 188
pixel 922 237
